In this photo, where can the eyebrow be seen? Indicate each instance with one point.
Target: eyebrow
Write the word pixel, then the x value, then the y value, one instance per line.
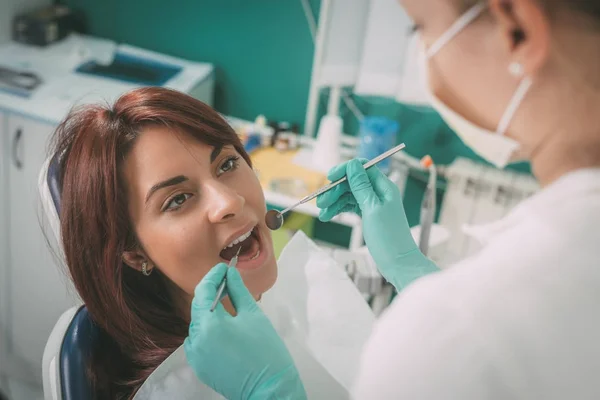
pixel 169 182
pixel 215 153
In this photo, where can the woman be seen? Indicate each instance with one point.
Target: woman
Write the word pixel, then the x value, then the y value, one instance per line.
pixel 155 191
pixel 516 79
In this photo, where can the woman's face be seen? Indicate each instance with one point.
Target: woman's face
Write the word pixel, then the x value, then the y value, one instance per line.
pixel 188 202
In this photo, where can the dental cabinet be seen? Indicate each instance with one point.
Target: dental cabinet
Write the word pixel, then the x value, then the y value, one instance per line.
pixel 33 293
pixel 34 285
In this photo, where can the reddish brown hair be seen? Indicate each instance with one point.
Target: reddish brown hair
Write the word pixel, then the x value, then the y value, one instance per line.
pixel 139 324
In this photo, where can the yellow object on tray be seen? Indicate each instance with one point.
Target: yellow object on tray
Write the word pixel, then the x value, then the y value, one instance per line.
pixel 273 165
pixel 276 166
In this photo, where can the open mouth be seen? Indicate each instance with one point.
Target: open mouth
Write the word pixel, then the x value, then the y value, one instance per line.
pixel 250 247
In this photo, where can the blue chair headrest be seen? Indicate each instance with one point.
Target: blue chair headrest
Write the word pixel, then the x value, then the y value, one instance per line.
pixel 75 353
pixel 81 336
pixel 53 182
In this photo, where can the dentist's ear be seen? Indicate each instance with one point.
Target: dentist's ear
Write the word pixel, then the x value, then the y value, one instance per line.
pixel 525 26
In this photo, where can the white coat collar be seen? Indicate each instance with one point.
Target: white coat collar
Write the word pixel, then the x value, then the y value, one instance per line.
pixel 579 183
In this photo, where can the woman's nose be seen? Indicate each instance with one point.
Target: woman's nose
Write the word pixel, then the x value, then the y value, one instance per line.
pixel 223 202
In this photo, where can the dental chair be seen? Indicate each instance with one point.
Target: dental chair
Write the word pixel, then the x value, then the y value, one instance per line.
pixel 69 347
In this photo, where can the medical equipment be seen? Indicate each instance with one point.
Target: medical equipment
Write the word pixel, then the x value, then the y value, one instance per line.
pixel 326 152
pixel 26 81
pixel 137 70
pixel 376 135
pixel 477 194
pixel 274 218
pixel 232 263
pixel 428 206
pixel 46 25
pixel 252 143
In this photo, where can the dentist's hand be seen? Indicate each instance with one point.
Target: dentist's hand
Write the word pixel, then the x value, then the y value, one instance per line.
pixel 370 194
pixel 240 357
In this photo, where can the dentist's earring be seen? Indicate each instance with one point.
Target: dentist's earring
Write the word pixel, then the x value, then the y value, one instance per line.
pixel 516 69
pixel 145 269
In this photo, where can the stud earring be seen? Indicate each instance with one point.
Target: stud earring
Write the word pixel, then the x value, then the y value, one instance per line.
pixel 516 69
pixel 145 269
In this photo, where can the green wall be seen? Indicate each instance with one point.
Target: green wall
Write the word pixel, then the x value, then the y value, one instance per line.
pixel 262 48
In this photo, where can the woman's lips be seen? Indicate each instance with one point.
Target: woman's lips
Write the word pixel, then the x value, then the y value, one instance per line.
pixel 246 248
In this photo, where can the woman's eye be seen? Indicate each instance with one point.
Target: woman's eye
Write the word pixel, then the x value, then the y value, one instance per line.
pixel 177 201
pixel 229 164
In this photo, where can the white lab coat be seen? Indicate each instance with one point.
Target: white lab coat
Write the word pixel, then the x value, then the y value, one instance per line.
pixel 519 320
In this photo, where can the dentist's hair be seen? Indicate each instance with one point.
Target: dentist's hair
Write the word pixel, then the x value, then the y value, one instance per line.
pixel 137 318
pixel 587 8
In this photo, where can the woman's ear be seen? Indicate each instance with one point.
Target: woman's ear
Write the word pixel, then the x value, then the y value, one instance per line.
pixel 137 260
pixel 525 27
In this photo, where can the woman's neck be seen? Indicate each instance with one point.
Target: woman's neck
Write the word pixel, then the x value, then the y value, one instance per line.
pixel 563 153
pixel 560 123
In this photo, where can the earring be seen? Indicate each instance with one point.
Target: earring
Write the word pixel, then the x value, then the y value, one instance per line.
pixel 516 69
pixel 145 269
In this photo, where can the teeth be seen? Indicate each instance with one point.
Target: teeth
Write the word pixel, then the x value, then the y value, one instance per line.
pixel 239 240
pixel 254 257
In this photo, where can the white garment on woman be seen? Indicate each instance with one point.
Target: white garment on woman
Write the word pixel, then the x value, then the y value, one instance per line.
pixel 316 309
pixel 519 320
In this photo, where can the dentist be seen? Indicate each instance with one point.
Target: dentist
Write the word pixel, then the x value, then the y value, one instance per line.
pixel 516 79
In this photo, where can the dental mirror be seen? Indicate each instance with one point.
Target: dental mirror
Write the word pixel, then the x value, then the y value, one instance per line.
pixel 274 218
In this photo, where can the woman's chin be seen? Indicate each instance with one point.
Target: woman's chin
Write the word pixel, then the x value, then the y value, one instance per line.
pixel 261 283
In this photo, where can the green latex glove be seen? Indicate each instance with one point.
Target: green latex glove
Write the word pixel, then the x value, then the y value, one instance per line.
pixel 378 201
pixel 240 357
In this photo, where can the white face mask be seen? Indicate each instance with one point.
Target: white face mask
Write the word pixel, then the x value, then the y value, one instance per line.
pixel 492 146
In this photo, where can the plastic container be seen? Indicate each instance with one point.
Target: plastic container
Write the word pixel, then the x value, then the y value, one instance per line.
pixel 326 151
pixel 377 135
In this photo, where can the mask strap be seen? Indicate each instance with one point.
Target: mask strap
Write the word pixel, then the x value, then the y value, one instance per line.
pixel 456 27
pixel 514 104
